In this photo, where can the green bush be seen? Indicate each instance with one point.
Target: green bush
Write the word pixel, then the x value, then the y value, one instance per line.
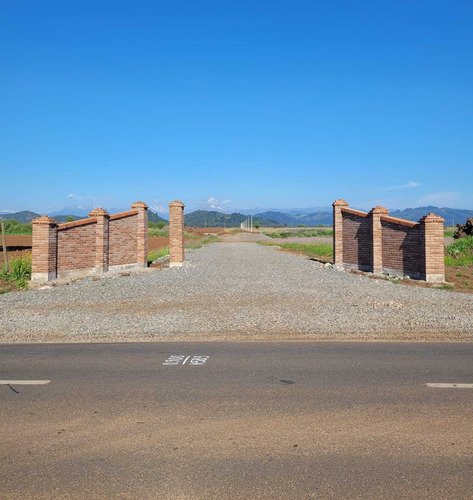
pixel 19 270
pixel 12 226
pixel 460 252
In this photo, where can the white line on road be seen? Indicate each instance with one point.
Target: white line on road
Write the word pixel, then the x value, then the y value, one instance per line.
pixel 24 382
pixel 184 362
pixel 449 386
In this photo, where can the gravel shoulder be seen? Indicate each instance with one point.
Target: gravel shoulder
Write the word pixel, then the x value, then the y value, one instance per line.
pixel 235 291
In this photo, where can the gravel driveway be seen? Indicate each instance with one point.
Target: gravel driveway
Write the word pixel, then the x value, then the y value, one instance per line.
pixel 235 291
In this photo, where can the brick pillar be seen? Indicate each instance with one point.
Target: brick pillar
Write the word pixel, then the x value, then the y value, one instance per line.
pixel 101 239
pixel 142 233
pixel 377 238
pixel 176 234
pixel 338 231
pixel 44 253
pixel 434 248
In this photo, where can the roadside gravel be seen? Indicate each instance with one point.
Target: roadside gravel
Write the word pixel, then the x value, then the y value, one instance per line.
pixel 235 291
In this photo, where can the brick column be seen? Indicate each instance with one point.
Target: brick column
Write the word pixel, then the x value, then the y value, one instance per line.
pixel 44 253
pixel 176 234
pixel 377 238
pixel 338 231
pixel 142 233
pixel 434 248
pixel 101 239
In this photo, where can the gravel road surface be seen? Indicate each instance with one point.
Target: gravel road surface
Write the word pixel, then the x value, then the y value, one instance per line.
pixel 235 291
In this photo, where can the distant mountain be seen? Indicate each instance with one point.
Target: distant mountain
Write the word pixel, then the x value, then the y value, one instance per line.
pixel 26 216
pixel 451 215
pixel 23 217
pixel 152 217
pixel 310 219
pixel 205 218
pixel 290 211
pixel 74 210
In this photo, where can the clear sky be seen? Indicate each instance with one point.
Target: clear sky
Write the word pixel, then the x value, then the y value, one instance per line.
pixel 247 103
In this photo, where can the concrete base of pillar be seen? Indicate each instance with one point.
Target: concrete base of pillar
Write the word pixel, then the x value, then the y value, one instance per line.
pixel 43 276
pixel 435 278
pixel 176 264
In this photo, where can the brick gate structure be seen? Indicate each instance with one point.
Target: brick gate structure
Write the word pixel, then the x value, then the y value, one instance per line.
pixel 95 245
pixel 378 243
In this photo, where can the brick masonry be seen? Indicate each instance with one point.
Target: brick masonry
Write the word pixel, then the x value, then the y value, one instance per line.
pixel 176 233
pixel 90 246
pixel 379 243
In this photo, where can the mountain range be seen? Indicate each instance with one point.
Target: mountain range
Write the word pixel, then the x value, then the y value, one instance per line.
pixel 291 217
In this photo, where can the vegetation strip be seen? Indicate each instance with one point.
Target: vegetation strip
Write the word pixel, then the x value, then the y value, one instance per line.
pixel 315 250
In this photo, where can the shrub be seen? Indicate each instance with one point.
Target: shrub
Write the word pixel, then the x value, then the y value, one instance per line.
pixel 19 270
pixel 12 226
pixel 460 252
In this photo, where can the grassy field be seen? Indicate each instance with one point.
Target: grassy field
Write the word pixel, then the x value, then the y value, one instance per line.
pixel 319 251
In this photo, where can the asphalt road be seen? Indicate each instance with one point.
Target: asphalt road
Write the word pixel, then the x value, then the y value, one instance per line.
pixel 251 420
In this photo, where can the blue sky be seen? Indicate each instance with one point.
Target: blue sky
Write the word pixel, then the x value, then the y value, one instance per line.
pixel 246 103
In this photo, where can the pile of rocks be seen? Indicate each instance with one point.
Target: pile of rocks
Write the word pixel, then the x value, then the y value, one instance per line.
pixel 464 230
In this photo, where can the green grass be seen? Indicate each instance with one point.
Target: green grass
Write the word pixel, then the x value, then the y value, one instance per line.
pixel 444 287
pixel 198 244
pixel 311 250
pixel 449 231
pixel 158 232
pixel 19 271
pixel 303 233
pixel 156 254
pixel 14 227
pixel 460 252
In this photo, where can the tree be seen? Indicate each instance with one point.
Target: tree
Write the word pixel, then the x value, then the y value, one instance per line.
pixel 256 225
pixel 69 218
pixel 160 224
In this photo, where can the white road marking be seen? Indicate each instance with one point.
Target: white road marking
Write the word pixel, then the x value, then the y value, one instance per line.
pixel 449 386
pixel 176 359
pixel 24 382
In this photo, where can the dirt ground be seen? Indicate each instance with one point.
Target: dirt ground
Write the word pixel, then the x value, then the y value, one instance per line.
pixel 206 231
pixel 155 243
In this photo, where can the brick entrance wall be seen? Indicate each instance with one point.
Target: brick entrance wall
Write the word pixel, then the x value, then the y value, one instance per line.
pixel 95 245
pixel 376 242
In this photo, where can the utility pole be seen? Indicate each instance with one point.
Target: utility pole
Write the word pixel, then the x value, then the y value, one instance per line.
pixel 4 245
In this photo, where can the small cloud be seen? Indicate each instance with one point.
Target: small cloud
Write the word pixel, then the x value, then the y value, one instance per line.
pixel 440 199
pixel 407 185
pixel 74 197
pixel 216 204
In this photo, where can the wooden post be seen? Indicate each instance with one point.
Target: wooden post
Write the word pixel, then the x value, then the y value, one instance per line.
pixel 4 244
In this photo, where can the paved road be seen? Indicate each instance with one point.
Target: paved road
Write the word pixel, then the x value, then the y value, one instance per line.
pixel 253 420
